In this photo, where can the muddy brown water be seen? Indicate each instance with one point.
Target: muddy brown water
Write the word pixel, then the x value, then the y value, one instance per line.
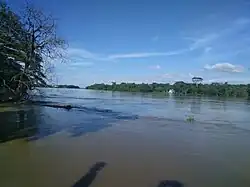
pixel 111 140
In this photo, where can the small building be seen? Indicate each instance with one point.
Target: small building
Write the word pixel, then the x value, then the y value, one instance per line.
pixel 171 91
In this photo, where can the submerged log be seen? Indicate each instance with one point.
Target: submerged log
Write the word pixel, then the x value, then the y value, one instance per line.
pixel 53 105
pixel 68 107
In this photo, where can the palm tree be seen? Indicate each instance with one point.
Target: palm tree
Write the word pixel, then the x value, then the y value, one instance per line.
pixel 197 80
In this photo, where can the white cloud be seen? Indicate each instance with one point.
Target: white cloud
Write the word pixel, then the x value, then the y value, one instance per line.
pixel 155 67
pixel 146 54
pixel 80 53
pixel 203 41
pixel 206 41
pixel 86 64
pixel 83 54
pixel 225 67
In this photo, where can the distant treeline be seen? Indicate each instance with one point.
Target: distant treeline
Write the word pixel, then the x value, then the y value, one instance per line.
pixel 62 86
pixel 67 86
pixel 180 88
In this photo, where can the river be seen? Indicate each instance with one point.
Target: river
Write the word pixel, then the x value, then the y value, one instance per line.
pixel 111 139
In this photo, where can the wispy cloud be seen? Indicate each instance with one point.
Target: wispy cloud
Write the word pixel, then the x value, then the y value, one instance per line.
pixel 86 64
pixel 208 49
pixel 225 67
pixel 207 40
pixel 146 54
pixel 155 67
pixel 83 54
pixel 242 21
pixel 80 53
pixel 236 26
pixel 202 41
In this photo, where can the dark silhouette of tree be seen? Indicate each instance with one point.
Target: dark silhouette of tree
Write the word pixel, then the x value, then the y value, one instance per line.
pixel 197 80
pixel 248 90
pixel 28 43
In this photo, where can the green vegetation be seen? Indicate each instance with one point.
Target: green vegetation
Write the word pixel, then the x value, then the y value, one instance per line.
pixel 190 119
pixel 67 86
pixel 28 42
pixel 62 86
pixel 248 90
pixel 180 88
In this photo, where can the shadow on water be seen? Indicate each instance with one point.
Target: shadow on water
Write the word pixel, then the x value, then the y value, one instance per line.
pixel 195 105
pixel 36 122
pixel 89 177
pixel 170 183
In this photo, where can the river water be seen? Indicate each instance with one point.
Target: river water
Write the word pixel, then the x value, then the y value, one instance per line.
pixel 111 139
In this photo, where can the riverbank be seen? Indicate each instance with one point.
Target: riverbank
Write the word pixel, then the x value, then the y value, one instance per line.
pixel 180 89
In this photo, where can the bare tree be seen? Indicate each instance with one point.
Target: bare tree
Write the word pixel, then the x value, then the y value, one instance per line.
pixel 37 45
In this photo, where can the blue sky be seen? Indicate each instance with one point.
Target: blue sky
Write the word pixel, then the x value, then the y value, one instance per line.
pixel 152 41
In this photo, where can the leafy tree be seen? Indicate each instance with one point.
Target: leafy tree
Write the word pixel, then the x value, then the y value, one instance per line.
pixel 11 45
pixel 27 44
pixel 197 80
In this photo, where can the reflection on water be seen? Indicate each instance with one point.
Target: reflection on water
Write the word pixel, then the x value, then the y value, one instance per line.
pixel 35 122
pixel 18 124
pixel 142 140
pixel 196 105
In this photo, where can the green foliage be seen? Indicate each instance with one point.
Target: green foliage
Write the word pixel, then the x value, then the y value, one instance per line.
pixel 67 86
pixel 197 80
pixel 190 119
pixel 180 88
pixel 248 90
pixel 26 42
pixel 131 87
